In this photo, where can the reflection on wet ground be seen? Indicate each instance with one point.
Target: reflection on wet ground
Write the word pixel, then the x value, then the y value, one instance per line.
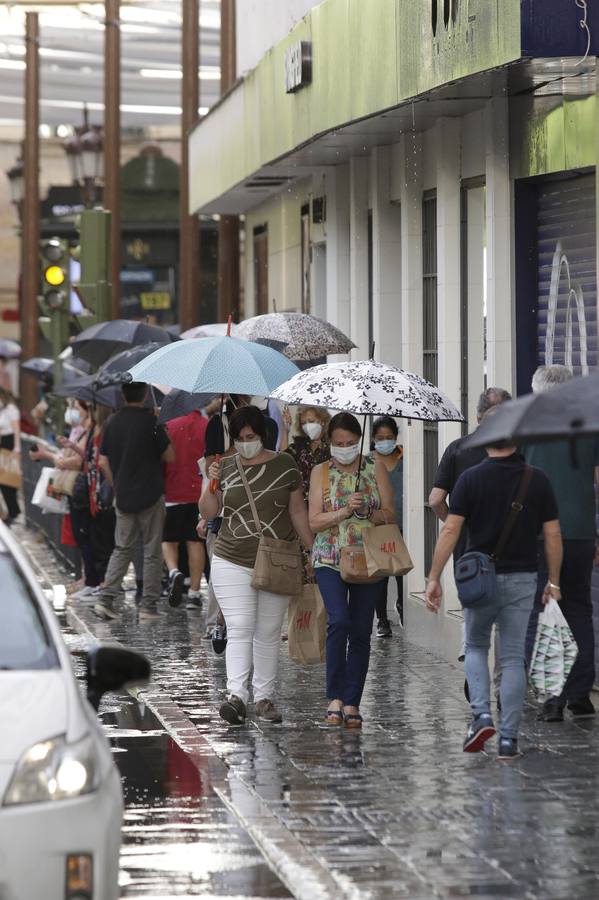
pixel 398 811
pixel 178 838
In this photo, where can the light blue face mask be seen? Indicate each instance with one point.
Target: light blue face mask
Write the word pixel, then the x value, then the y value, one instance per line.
pixel 385 448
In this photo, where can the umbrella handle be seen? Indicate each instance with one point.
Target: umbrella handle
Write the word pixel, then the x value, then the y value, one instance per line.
pixel 213 481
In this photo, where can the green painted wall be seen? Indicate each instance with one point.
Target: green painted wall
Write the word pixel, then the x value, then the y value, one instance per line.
pixel 553 140
pixel 368 55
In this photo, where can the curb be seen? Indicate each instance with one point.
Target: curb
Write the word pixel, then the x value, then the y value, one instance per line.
pixel 301 872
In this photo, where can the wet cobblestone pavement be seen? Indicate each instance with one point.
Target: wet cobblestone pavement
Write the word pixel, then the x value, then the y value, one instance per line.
pixel 397 811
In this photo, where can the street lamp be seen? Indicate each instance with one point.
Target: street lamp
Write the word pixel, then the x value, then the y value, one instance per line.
pixel 84 152
pixel 17 185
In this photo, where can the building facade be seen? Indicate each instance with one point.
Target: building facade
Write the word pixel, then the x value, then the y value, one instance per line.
pixel 421 173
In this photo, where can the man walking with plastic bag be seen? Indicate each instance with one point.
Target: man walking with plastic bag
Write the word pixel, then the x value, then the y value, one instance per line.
pixel 504 505
pixel 571 468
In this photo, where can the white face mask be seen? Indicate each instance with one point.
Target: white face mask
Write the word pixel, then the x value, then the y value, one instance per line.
pixel 345 455
pixel 249 449
pixel 313 430
pixel 260 402
pixel 385 448
pixel 72 416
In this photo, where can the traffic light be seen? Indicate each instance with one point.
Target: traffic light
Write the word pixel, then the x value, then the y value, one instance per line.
pixel 94 288
pixel 54 302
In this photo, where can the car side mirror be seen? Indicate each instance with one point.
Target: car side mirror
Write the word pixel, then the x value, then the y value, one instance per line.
pixel 110 667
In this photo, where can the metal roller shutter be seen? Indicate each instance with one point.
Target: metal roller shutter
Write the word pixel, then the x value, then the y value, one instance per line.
pixel 567 278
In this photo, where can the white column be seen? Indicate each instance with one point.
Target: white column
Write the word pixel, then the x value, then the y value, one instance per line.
pixel 410 159
pixel 448 269
pixel 500 318
pixel 386 274
pixel 358 237
pixel 337 278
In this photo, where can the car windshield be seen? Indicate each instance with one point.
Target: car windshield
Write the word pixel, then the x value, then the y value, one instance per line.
pixel 24 639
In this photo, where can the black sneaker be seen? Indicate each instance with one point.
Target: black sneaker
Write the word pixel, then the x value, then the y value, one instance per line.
pixel 584 709
pixel 265 709
pixel 479 731
pixel 399 610
pixel 383 629
pixel 219 639
pixel 508 748
pixel 194 601
pixel 175 588
pixel 233 710
pixel 551 712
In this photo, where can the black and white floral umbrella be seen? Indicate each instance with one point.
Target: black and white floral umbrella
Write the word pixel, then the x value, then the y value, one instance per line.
pixel 305 337
pixel 366 387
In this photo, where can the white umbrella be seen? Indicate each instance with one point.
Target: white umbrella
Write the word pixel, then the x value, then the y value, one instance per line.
pixel 366 387
pixel 212 329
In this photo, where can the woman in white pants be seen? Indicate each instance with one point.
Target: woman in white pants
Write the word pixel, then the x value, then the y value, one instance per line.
pixel 254 618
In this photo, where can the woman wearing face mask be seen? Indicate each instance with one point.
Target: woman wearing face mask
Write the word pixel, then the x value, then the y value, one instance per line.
pixel 310 447
pixel 70 458
pixel 386 450
pixel 254 617
pixel 339 517
pixel 10 439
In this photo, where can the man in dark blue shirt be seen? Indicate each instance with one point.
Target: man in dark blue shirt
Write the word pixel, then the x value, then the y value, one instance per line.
pixel 480 502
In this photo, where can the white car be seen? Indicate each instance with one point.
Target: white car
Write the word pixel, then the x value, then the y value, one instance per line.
pixel 61 803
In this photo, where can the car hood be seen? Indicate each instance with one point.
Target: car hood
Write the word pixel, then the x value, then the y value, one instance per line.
pixel 33 707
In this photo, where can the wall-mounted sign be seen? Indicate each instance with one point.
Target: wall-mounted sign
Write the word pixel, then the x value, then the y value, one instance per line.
pixel 298 66
pixel 138 249
pixel 155 300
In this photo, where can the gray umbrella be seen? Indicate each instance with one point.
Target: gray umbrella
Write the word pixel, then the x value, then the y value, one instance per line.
pixel 568 411
pixel 304 337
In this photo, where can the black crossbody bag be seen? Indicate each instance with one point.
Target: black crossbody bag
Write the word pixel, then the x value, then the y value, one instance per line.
pixel 475 573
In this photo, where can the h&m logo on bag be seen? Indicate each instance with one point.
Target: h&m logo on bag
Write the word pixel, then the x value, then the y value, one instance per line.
pixel 303 620
pixel 388 547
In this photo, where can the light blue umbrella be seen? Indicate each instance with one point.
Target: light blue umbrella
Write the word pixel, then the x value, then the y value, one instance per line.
pixel 218 365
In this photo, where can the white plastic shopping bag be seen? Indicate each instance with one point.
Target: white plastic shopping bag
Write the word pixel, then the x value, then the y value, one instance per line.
pixel 554 653
pixel 42 498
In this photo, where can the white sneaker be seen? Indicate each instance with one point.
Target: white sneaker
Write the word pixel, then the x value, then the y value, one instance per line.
pixel 84 593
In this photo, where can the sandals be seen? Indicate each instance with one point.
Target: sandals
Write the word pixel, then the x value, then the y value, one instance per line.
pixel 352 720
pixel 333 718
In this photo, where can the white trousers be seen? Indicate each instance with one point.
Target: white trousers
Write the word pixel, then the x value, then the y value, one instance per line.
pixel 254 622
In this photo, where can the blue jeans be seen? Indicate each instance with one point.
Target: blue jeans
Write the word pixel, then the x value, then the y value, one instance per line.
pixel 510 610
pixel 350 612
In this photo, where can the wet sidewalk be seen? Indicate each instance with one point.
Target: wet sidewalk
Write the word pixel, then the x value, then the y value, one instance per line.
pixel 396 811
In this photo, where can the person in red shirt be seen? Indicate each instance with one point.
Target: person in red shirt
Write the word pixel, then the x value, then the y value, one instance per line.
pixel 183 486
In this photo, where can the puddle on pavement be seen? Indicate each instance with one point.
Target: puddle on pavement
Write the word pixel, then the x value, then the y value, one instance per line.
pixel 178 838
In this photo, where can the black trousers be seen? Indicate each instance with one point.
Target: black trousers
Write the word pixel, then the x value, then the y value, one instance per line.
pixel 575 584
pixel 102 527
pixel 382 597
pixel 81 525
pixel 7 442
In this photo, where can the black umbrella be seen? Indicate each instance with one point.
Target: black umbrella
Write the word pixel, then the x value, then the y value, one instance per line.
pixel 111 372
pixel 565 412
pixel 181 403
pixel 87 390
pixel 101 341
pixel 41 365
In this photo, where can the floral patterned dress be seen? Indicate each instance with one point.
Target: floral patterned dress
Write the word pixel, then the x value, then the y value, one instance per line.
pixel 327 544
pixel 306 458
